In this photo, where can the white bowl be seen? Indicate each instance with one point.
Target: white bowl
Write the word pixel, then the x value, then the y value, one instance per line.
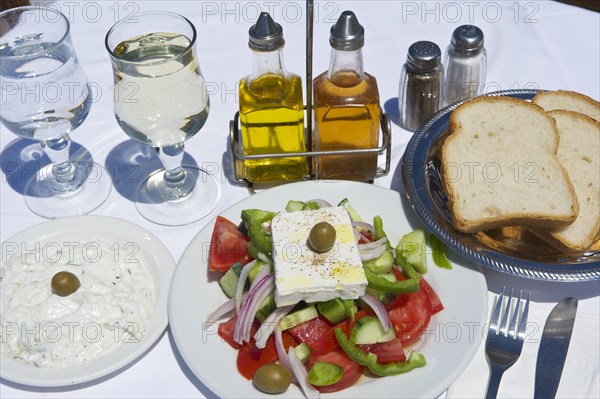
pixel 149 250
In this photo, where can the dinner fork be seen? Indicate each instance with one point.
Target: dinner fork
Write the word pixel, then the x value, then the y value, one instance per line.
pixel 503 344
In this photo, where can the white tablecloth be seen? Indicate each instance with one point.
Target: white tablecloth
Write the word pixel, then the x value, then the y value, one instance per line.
pixel 541 44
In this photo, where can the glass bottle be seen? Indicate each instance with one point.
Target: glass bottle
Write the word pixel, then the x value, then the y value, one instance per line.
pixel 465 60
pixel 421 82
pixel 271 109
pixel 346 107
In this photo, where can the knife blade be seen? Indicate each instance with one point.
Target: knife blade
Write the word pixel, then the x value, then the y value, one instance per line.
pixel 553 348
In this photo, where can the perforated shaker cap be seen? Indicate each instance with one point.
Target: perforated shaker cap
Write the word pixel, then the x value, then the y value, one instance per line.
pixel 424 56
pixel 265 34
pixel 347 34
pixel 468 39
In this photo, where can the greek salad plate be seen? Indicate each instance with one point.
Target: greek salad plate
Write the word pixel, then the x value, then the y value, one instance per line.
pixel 53 338
pixel 449 343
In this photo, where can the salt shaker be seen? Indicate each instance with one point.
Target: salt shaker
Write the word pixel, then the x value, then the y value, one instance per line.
pixel 465 60
pixel 421 82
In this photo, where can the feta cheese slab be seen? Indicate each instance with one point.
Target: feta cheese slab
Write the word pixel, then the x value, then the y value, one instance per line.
pixel 303 274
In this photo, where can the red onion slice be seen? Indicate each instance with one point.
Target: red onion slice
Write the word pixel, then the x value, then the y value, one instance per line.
pixel 241 284
pixel 372 245
pixel 222 310
pixel 270 324
pixel 364 225
pixel 372 253
pixel 259 276
pixel 281 353
pixel 301 375
pixel 321 202
pixel 250 305
pixel 379 309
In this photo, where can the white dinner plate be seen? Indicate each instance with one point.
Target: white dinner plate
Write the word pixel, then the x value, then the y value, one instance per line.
pixel 449 344
pixel 127 241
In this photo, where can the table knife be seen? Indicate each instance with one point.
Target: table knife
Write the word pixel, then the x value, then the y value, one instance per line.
pixel 553 348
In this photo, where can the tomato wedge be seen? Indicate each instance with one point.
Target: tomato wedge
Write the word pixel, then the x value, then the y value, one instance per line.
pixel 352 370
pixel 436 304
pixel 250 358
pixel 227 246
pixel 310 331
pixel 387 352
pixel 410 315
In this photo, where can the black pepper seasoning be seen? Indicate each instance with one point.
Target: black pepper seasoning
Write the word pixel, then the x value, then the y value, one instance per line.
pixel 421 84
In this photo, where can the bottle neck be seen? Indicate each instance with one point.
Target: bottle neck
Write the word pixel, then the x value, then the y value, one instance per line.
pixel 346 61
pixel 265 62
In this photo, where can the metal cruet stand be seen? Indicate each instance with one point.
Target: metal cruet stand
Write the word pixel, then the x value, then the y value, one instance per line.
pixel 237 152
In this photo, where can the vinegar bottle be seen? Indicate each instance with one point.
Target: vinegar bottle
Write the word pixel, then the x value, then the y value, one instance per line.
pixel 271 109
pixel 346 107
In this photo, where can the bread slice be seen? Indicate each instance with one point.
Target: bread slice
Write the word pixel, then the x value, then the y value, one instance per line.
pixel 579 153
pixel 500 168
pixel 570 101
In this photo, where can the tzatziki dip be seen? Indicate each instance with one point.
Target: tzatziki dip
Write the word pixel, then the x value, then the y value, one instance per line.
pixel 109 309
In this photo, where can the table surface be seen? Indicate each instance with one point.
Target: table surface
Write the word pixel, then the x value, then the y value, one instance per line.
pixel 540 44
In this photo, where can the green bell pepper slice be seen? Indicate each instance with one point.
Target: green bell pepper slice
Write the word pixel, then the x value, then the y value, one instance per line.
pixel 380 283
pixel 369 360
pixel 254 220
pixel 379 232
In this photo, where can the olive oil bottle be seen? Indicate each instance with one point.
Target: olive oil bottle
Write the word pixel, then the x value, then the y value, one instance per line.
pixel 271 109
pixel 346 107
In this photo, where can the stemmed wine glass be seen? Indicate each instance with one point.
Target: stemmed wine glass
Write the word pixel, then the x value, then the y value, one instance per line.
pixel 161 101
pixel 45 96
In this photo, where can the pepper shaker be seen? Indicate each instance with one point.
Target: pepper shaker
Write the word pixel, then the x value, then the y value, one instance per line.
pixel 421 82
pixel 465 60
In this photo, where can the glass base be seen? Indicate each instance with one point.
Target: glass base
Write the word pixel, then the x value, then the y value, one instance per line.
pixel 87 191
pixel 162 205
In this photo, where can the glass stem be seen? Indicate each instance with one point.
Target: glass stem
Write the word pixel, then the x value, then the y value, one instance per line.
pixel 175 177
pixel 63 171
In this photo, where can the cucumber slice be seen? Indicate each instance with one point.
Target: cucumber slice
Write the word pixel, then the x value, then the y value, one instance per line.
pixel 383 264
pixel 353 214
pixel 299 317
pixel 293 206
pixel 324 373
pixel 256 269
pixel 229 281
pixel 302 352
pixel 267 306
pixel 333 310
pixel 310 206
pixel 369 330
pixel 412 249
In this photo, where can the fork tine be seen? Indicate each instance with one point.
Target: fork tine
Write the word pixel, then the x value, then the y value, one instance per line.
pixel 512 331
pixel 496 314
pixel 523 324
pixel 504 325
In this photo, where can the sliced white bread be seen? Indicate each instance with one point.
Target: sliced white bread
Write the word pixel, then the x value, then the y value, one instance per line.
pixel 570 101
pixel 579 153
pixel 500 168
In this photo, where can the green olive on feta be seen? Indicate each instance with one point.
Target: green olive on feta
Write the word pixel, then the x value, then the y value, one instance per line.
pixel 322 237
